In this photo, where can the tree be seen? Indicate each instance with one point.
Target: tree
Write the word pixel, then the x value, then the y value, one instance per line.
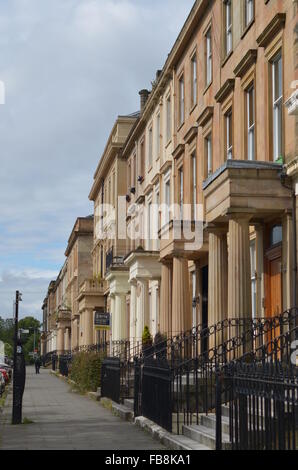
pixel 33 325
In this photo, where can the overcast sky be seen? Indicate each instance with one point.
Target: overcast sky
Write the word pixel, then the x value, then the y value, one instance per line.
pixel 69 68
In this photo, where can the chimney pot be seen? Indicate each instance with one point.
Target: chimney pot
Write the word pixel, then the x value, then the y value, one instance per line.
pixel 144 94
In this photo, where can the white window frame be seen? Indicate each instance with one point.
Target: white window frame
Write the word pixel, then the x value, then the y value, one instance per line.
pixel 169 118
pixel 209 154
pixel 150 146
pixel 181 100
pixel 277 103
pixel 249 12
pixel 229 145
pixel 250 125
pixel 228 26
pixel 158 122
pixel 194 80
pixel 208 38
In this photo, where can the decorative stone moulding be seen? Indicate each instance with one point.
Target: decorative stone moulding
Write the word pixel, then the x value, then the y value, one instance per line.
pixel 248 60
pixel 205 116
pixel 271 30
pixel 225 90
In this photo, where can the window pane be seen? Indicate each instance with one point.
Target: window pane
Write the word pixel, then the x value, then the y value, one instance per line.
pixel 276 235
pixel 277 106
pixel 208 57
pixel 181 99
pixel 194 79
pixel 169 120
pixel 150 147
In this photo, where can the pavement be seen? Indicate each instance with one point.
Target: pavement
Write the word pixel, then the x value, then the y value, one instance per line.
pixel 61 419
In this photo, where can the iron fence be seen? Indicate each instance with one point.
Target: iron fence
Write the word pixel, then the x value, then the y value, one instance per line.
pixel 263 406
pixel 156 402
pixel 193 370
pixel 110 378
pixel 194 379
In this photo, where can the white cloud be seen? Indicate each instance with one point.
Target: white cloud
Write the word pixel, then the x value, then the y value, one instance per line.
pixel 69 67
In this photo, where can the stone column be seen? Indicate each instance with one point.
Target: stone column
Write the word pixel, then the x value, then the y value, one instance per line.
pixel 67 339
pixel 88 327
pixel 142 307
pixel 60 340
pixel 287 262
pixel 181 309
pixel 218 276
pixel 239 278
pixel 166 299
pixel 121 317
pixel 239 272
pixel 260 270
pixel 113 317
pixel 133 304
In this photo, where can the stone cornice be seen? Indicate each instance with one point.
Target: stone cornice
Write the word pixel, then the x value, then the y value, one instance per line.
pixel 191 134
pixel 225 90
pixel 178 151
pixel 275 25
pixel 241 164
pixel 248 60
pixel 205 116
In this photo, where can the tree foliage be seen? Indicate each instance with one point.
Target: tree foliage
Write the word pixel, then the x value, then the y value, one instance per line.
pixel 7 335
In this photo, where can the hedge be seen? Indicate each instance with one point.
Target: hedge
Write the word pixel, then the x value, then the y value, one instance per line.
pixel 85 371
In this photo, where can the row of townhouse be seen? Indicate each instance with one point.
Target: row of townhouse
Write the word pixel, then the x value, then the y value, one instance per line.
pixel 216 142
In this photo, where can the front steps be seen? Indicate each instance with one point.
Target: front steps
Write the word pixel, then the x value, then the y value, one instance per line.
pixel 204 433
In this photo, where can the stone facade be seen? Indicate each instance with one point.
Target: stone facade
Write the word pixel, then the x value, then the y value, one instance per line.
pixel 217 137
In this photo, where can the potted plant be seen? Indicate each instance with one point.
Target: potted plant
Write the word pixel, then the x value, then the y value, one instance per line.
pixel 146 341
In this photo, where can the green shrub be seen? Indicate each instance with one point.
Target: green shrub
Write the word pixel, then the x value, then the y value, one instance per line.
pixel 146 337
pixel 85 371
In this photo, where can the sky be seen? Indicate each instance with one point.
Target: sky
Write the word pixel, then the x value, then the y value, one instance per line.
pixel 69 68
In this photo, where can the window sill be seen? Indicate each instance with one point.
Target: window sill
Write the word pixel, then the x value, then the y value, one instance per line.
pixel 207 87
pixel 180 126
pixel 168 144
pixel 193 108
pixel 225 60
pixel 247 28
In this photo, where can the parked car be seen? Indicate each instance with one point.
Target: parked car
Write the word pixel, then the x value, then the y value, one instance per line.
pixel 5 375
pixel 7 368
pixel 2 384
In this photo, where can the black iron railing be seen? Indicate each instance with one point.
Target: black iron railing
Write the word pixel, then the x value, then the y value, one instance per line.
pixel 263 405
pixel 193 367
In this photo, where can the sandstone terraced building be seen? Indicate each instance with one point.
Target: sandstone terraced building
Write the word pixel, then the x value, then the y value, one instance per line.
pixel 217 138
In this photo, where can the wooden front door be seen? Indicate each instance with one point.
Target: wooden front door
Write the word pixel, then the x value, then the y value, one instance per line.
pixel 274 284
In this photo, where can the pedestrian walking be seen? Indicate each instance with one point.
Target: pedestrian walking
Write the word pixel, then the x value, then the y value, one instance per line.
pixel 37 364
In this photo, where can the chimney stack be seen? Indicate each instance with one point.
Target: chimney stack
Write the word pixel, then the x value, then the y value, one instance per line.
pixel 144 94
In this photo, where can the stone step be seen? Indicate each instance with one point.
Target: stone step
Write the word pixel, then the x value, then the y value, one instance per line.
pixel 206 436
pixel 129 403
pixel 181 442
pixel 122 412
pixel 210 422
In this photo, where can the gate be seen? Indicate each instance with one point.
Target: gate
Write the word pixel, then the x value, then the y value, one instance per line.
pixel 110 378
pixel 156 393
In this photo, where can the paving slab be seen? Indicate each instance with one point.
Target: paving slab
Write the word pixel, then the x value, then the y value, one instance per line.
pixel 63 419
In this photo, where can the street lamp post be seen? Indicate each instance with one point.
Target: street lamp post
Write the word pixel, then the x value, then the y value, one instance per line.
pixel 19 370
